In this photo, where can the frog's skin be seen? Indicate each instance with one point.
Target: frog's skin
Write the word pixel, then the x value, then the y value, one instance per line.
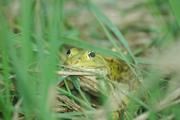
pixel 114 69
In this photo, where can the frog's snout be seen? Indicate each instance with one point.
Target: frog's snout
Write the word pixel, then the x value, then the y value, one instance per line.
pixel 73 62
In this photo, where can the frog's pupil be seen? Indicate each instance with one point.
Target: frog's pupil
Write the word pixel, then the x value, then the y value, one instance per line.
pixel 68 52
pixel 91 54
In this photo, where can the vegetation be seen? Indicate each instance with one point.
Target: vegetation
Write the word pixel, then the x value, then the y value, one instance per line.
pixel 34 38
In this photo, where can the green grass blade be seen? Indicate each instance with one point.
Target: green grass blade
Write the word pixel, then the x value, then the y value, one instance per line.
pixel 5 102
pixel 175 7
pixel 111 26
pixel 76 42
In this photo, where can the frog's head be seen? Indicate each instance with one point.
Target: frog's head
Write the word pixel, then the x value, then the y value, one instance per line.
pixel 85 59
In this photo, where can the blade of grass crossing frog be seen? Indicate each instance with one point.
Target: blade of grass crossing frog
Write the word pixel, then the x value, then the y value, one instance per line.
pixel 111 38
pixel 67 86
pixel 103 19
pixel 75 98
pixel 84 45
pixel 76 82
pixel 112 27
pixel 123 57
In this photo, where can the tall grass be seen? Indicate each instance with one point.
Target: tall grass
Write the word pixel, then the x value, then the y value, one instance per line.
pixel 29 60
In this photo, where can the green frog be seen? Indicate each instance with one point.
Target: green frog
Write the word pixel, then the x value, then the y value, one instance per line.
pixel 115 70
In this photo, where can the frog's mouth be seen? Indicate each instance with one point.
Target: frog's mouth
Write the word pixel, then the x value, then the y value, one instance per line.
pixel 89 77
pixel 83 71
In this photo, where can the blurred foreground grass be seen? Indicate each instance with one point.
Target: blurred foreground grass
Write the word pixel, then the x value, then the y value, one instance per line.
pixel 33 35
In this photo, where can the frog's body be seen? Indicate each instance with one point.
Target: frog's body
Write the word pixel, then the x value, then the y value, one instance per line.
pixel 114 69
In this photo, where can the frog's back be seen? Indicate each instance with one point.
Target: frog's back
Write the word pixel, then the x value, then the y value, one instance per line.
pixel 120 71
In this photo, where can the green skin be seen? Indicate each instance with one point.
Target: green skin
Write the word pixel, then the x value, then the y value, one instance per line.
pixel 116 69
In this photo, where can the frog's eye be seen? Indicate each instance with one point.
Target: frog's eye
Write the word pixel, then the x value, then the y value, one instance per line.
pixel 91 54
pixel 72 52
pixel 68 52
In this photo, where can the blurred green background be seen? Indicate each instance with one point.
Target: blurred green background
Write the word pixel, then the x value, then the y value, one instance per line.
pixel 34 35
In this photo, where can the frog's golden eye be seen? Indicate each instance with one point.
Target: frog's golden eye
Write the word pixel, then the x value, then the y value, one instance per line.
pixel 91 54
pixel 68 52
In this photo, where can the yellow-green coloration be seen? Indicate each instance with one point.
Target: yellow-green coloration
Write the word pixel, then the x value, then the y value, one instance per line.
pixel 114 69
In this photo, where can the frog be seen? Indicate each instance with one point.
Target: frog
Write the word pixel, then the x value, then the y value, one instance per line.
pixel 115 69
